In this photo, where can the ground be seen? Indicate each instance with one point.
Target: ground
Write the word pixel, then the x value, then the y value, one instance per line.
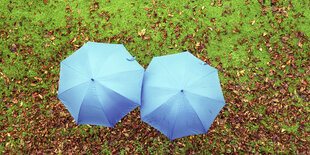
pixel 260 47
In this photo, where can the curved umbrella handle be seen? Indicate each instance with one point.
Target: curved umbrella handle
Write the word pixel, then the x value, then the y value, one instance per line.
pixel 131 59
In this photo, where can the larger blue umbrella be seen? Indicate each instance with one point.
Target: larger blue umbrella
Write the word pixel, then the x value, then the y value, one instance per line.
pixel 100 83
pixel 181 95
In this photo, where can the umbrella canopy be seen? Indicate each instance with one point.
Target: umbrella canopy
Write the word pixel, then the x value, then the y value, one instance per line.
pixel 100 83
pixel 181 95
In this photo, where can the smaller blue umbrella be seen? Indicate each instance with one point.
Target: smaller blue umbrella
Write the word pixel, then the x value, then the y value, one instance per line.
pixel 181 95
pixel 100 83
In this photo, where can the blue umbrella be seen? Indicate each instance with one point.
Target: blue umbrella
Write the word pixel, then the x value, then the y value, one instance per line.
pixel 181 95
pixel 100 83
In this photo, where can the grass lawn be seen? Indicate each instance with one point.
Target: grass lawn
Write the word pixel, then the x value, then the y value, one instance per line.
pixel 260 47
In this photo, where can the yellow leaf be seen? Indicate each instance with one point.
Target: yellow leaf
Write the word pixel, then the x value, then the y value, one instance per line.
pixel 37 78
pixel 74 39
pixel 142 32
pixel 299 43
pixel 41 97
pixel 275 100
pixel 252 22
pixel 265 33
pixel 14 101
pixel 236 92
pixel 52 37
pixel 242 72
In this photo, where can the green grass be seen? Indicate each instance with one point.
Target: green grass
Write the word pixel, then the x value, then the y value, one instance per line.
pixel 261 56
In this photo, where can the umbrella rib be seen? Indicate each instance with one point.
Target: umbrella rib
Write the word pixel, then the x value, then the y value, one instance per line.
pixel 157 87
pixel 173 127
pixel 102 107
pixel 78 119
pixel 106 76
pixel 196 114
pixel 187 68
pixel 74 69
pixel 168 134
pixel 116 92
pixel 88 62
pixel 108 57
pixel 172 94
pixel 203 76
pixel 170 75
pixel 160 105
pixel 207 97
pixel 73 87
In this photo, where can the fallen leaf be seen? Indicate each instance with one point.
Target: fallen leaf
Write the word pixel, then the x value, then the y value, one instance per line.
pixel 299 43
pixel 38 78
pixel 41 97
pixel 14 48
pixel 142 32
pixel 252 22
pixel 264 34
pixel 46 1
pixel 154 3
